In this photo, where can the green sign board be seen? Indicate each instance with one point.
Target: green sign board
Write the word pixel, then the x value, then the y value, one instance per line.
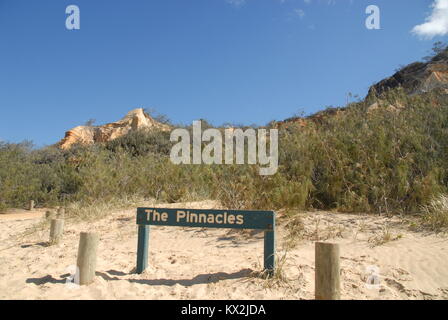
pixel 200 218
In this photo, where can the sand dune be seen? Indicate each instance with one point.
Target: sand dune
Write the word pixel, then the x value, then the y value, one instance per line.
pixel 218 263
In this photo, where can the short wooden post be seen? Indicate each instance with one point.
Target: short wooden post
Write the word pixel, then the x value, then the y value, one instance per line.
pixel 327 271
pixel 61 212
pixel 56 230
pixel 31 205
pixel 50 214
pixel 142 248
pixel 86 263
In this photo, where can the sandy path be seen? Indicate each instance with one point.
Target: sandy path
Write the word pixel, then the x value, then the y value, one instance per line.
pixel 216 263
pixel 22 215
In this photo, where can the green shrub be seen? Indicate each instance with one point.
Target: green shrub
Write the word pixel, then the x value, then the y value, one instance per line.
pixel 142 143
pixel 351 159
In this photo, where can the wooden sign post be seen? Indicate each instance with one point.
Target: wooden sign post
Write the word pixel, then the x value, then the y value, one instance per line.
pixel 235 219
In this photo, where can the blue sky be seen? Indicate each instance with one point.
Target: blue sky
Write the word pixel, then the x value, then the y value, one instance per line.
pixel 236 61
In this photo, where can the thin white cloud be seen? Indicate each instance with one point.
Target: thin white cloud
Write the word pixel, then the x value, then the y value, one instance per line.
pixel 436 24
pixel 239 3
pixel 300 13
pixel 329 2
pixel 236 3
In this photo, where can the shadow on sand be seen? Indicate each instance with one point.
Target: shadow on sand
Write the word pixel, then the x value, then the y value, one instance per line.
pixel 38 244
pixel 199 279
pixel 112 275
pixel 47 279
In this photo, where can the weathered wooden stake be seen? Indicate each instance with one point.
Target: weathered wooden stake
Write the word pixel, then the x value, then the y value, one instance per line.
pixel 56 230
pixel 86 263
pixel 327 271
pixel 31 205
pixel 50 214
pixel 61 212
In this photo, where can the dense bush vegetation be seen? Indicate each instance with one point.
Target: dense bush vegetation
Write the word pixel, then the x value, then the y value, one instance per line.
pixel 382 160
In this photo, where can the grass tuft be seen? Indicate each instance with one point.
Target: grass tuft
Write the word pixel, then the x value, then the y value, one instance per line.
pixel 435 214
pixel 383 237
pixel 276 279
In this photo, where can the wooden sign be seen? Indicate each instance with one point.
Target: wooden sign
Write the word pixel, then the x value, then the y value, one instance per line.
pixel 200 218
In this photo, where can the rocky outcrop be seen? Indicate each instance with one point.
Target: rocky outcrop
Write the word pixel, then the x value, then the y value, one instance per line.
pixel 379 104
pixel 317 118
pixel 135 120
pixel 417 77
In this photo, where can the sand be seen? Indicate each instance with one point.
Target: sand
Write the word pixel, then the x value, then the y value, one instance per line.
pixel 188 263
